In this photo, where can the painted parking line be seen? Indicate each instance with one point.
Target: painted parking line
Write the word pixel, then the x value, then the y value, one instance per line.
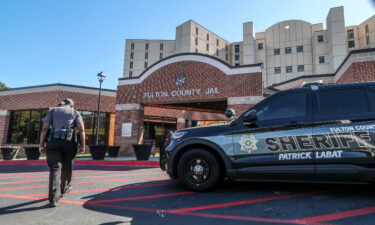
pixel 143 197
pixel 83 163
pixel 112 175
pixel 87 182
pixel 250 201
pixel 75 173
pixel 114 189
pixel 339 215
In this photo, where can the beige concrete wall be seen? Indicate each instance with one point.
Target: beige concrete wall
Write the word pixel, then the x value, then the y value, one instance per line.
pixel 334 48
pixel 291 33
pixel 320 49
pixel 139 54
pixel 362 34
pixel 337 44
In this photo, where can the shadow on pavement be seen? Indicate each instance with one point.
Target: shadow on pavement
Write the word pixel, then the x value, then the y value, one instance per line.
pixel 22 207
pixel 155 210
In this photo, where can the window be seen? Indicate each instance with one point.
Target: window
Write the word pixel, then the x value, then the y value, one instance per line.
pixel 161 55
pixel 276 51
pixel 237 48
pixel 237 64
pixel 283 107
pixel 161 47
pixel 25 126
pixel 130 73
pixel 196 50
pixel 146 64
pixel 196 41
pixel 277 70
pixel 131 55
pixel 320 38
pixel 351 44
pixel 217 52
pixel 207 47
pixel 321 59
pixel 146 55
pixel 132 46
pixel 289 69
pixel 208 37
pixel 131 65
pixel 226 47
pixel 288 50
pixel 342 101
pixel 350 33
pixel 90 120
pixel 367 40
pixel 146 47
pixel 236 57
pixel 226 56
pixel 260 46
pixel 196 30
pixel 300 48
pixel 366 28
pixel 217 42
pixel 301 68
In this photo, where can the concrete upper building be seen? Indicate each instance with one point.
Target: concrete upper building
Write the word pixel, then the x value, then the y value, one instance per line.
pixel 287 50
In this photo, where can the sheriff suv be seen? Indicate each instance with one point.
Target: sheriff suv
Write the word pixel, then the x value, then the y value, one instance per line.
pixel 315 133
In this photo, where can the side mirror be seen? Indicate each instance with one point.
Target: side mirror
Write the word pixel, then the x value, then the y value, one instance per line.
pixel 230 113
pixel 250 116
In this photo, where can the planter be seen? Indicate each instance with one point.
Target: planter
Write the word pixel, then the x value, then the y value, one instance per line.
pixel 142 151
pixel 9 153
pixel 113 151
pixel 32 153
pixel 98 151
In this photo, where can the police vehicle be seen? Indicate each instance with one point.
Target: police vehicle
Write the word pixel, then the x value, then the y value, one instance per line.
pixel 314 133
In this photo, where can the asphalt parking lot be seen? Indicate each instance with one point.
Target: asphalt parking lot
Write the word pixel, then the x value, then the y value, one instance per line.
pixel 145 195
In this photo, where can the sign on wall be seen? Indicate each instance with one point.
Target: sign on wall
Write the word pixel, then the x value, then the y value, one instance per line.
pixel 126 130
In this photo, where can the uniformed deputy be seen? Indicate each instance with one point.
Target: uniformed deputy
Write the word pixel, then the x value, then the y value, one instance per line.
pixel 64 123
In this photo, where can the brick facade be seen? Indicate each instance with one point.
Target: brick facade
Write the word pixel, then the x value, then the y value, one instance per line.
pixel 358 72
pixel 199 76
pixel 46 96
pixel 204 83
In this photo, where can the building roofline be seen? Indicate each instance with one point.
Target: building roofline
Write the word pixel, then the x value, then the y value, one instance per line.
pixel 324 75
pixel 189 53
pixel 191 20
pixel 138 39
pixel 56 84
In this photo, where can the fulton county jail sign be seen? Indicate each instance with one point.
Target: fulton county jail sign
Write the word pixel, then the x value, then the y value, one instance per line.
pixel 182 93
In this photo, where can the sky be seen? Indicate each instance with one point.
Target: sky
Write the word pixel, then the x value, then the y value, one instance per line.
pixel 70 41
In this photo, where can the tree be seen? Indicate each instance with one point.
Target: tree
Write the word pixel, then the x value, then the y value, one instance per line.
pixel 3 86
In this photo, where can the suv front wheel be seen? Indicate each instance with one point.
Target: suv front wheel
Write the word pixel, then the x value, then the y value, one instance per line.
pixel 199 169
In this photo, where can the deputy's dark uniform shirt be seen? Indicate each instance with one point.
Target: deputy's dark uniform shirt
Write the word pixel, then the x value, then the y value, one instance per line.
pixel 63 117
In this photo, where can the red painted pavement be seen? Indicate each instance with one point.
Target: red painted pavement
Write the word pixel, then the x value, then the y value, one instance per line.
pixel 85 163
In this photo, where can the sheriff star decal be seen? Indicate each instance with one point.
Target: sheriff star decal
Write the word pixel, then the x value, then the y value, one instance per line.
pixel 248 143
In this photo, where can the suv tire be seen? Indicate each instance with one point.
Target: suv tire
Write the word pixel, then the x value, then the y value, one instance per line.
pixel 199 169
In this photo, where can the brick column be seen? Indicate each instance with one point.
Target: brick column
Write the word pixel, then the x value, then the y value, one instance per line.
pixel 181 123
pixel 132 114
pixel 4 126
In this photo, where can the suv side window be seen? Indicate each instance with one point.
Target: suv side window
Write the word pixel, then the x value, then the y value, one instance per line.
pixel 292 105
pixel 371 95
pixel 342 101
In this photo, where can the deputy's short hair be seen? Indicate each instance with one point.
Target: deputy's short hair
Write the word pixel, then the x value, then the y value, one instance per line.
pixel 69 101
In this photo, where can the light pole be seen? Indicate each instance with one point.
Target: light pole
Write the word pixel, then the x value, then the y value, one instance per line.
pixel 101 76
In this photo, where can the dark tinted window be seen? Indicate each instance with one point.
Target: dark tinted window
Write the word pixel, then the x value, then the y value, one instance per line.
pixel 283 107
pixel 371 96
pixel 342 101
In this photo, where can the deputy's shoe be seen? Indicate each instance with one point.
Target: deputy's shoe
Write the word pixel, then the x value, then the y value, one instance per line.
pixel 52 204
pixel 67 190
